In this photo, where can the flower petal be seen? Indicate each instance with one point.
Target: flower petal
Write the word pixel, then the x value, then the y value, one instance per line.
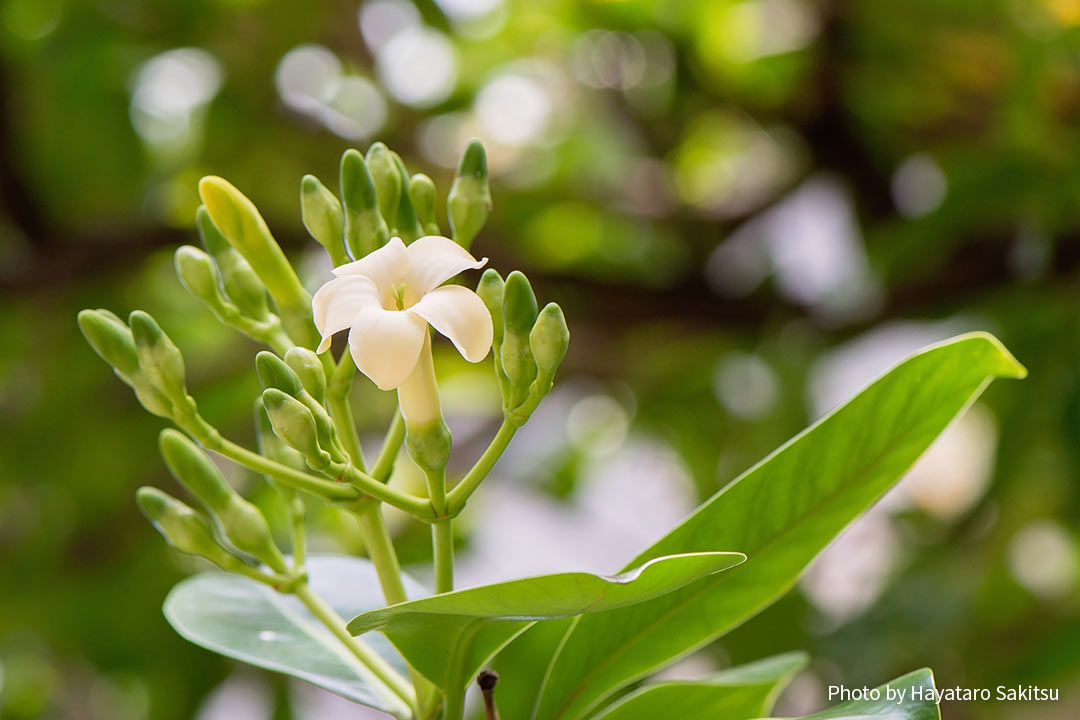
pixel 385 344
pixel 386 267
pixel 459 314
pixel 433 260
pixel 336 303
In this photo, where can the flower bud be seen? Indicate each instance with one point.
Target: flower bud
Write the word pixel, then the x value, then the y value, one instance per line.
pixel 184 528
pixel 422 195
pixel 274 373
pixel 293 422
pixel 241 522
pixel 548 341
pixel 322 215
pixel 365 228
pixel 161 361
pixel 199 274
pixel 270 445
pixel 240 223
pixel 193 469
pixel 242 286
pixel 387 180
pixel 111 339
pixel 309 369
pixel 469 202
pixel 519 316
pixel 406 224
pixel 490 289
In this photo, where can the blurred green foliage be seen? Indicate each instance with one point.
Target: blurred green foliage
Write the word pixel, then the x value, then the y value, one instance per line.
pixel 719 193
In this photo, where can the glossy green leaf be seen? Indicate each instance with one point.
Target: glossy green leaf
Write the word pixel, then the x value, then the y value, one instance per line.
pixel 250 622
pixel 907 698
pixel 449 637
pixel 781 513
pixel 739 693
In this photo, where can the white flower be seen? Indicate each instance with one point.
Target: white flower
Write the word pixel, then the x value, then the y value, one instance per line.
pixel 389 297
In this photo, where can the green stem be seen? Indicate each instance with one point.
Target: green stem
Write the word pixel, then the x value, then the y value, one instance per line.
pixel 395 436
pixel 442 540
pixel 296 530
pixel 336 624
pixel 337 396
pixel 381 551
pixel 416 506
pixel 463 491
pixel 282 473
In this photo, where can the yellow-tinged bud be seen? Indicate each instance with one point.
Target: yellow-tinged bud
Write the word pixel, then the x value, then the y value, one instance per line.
pixel 323 217
pixel 184 528
pixel 199 274
pixel 242 286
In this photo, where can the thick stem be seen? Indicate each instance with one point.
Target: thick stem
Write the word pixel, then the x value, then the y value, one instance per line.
pixel 442 540
pixel 381 551
pixel 418 507
pixel 463 491
pixel 393 681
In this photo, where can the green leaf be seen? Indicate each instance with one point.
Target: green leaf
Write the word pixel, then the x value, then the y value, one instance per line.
pixel 781 513
pixel 888 705
pixel 740 693
pixel 250 622
pixel 449 637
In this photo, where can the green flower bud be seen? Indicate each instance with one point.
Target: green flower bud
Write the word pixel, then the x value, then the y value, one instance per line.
pixel 161 361
pixel 365 228
pixel 194 469
pixel 242 285
pixel 293 422
pixel 240 223
pixel 241 522
pixel 407 224
pixel 270 445
pixel 199 274
pixel 490 289
pixel 469 202
pixel 519 316
pixel 309 369
pixel 422 195
pixel 111 339
pixel 387 180
pixel 429 444
pixel 184 528
pixel 323 217
pixel 247 530
pixel 548 341
pixel 274 373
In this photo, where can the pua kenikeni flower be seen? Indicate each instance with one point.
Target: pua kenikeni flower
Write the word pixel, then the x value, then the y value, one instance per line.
pixel 389 297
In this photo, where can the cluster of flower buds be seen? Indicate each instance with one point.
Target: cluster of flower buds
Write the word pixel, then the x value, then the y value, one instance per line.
pixel 529 344
pixel 380 200
pixel 148 361
pixel 240 525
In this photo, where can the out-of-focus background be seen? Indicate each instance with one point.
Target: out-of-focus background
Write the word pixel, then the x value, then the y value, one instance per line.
pixel 747 208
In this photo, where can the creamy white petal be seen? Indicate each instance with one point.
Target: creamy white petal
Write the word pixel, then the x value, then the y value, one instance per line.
pixel 336 303
pixel 387 266
pixel 433 260
pixel 385 344
pixel 459 314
